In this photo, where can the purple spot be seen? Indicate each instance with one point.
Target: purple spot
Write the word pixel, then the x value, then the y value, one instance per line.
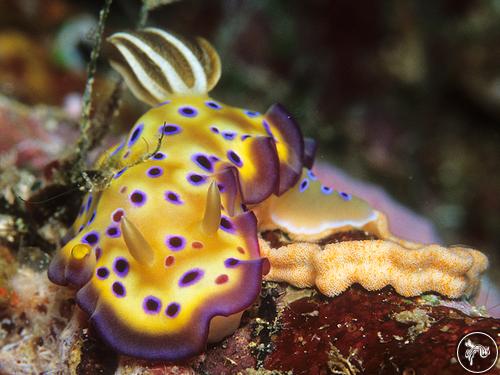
pixel 311 175
pixel 92 218
pixel 118 289
pixel 175 243
pixel 234 158
pixel 203 162
pixel 162 103
pixel 214 130
pixel 136 133
pixel 98 253
pixel 113 232
pixel 304 185
pixel 188 111
pixel 154 172
pixel 159 156
pixel 89 202
pixel 82 210
pixel 172 197
pixel 231 262
pixel 326 190
pixel 138 198
pixel 221 188
pixel 120 172
pixel 191 277
pixel 170 129
pixel 81 228
pixel 268 129
pixel 228 135
pixel 91 238
pixel 213 104
pixel 172 310
pixel 245 136
pixel 121 266
pixel 196 179
pixel 102 273
pixel 345 196
pixel 226 225
pixel 214 158
pixel 151 305
pixel 251 113
pixel 118 149
pixel 126 155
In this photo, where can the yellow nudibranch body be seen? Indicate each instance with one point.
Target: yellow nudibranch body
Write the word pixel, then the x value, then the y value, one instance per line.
pixel 166 257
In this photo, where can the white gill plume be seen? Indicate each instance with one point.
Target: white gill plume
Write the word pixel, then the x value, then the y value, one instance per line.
pixel 156 64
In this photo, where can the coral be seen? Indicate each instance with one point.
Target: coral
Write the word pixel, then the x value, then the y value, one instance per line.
pixel 232 353
pixel 29 342
pixel 32 136
pixel 418 319
pixel 374 264
pixel 410 268
pixel 338 364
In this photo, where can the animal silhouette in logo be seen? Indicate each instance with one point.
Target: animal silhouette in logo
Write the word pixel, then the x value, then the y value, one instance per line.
pixel 473 349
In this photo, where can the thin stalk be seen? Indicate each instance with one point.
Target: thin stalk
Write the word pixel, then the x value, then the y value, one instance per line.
pixel 85 121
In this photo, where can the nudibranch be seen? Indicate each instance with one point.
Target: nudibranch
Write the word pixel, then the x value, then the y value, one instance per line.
pixel 166 258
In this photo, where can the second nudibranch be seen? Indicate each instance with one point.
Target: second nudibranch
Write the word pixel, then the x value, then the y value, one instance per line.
pixel 166 257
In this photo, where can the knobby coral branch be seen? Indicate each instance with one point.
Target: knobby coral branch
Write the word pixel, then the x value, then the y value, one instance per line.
pixel 410 268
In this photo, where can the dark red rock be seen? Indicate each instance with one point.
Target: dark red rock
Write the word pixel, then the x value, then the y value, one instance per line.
pixel 277 238
pixel 367 332
pixel 96 358
pixel 231 356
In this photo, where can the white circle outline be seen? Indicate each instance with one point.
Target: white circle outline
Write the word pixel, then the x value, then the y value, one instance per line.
pixel 480 333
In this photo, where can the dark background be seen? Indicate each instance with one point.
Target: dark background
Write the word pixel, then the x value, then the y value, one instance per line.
pixel 402 93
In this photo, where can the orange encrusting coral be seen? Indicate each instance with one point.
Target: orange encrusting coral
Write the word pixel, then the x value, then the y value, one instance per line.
pixel 412 269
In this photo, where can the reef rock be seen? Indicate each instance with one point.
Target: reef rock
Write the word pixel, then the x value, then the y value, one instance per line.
pixel 288 330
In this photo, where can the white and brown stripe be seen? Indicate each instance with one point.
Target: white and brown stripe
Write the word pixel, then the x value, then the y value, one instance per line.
pixel 156 64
